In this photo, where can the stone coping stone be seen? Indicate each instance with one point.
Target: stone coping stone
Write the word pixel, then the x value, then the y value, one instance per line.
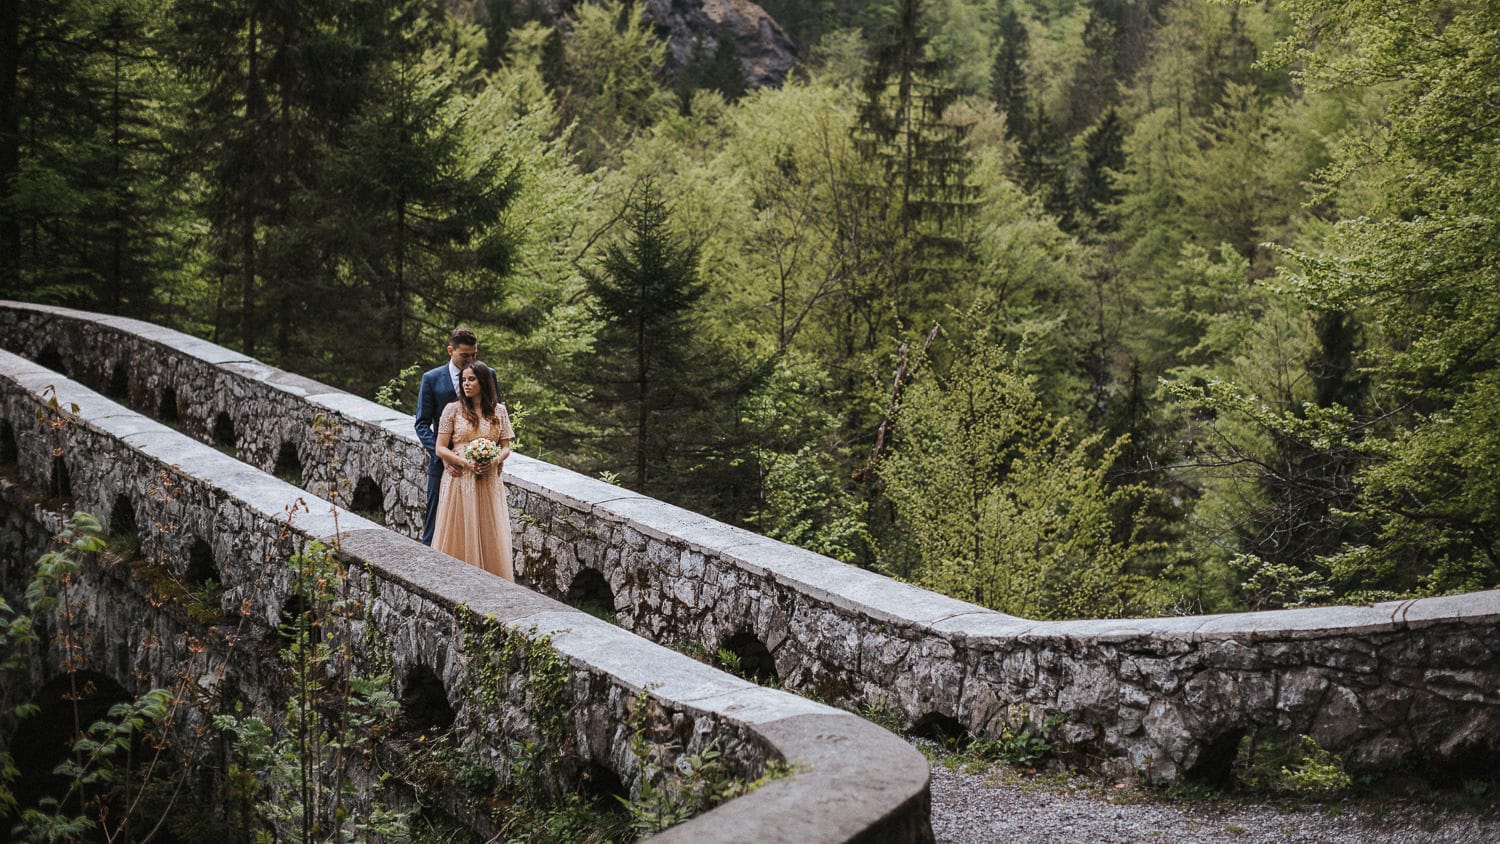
pixel 1424 612
pixel 351 406
pixel 974 627
pixel 438 577
pixel 16 305
pixel 722 540
pixel 404 427
pixel 849 588
pixel 759 556
pixel 892 600
pixel 47 384
pixel 1290 623
pixel 656 519
pixel 280 379
pixel 172 338
pixel 845 772
pixel 756 705
pixel 572 489
pixel 637 663
pixel 663 673
pixel 1118 630
pixel 210 353
pixel 134 428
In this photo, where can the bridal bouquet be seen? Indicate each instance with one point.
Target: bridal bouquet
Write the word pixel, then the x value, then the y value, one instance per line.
pixel 482 451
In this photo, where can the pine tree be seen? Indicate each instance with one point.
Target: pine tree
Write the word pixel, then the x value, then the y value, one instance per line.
pixel 84 199
pixel 645 288
pixel 1094 190
pixel 271 82
pixel 499 17
pixel 610 91
pixel 925 194
pixel 725 72
pixel 717 70
pixel 1008 87
pixel 408 216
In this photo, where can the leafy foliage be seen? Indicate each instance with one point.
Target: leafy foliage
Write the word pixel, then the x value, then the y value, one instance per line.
pixel 1018 742
pixel 1007 508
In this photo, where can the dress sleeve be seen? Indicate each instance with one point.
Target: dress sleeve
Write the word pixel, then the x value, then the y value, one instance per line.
pixel 445 425
pixel 506 432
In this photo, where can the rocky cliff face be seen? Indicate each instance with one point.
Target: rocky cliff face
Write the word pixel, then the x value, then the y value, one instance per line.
pixel 765 50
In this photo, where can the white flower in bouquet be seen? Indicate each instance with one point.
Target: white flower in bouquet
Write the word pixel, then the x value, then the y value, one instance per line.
pixel 482 451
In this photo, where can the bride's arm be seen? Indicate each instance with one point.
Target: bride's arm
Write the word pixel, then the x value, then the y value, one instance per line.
pixel 506 434
pixel 455 463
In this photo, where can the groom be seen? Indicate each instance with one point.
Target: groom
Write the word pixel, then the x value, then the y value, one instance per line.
pixel 439 389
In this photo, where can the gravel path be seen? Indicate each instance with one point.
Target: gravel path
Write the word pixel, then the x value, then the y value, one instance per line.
pixel 1000 805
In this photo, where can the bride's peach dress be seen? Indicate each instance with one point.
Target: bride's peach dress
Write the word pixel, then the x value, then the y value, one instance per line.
pixel 473 521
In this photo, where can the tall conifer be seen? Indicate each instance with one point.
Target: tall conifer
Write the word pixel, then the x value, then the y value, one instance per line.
pixel 644 288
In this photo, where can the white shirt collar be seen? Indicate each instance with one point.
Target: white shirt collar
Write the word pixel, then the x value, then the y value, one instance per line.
pixel 453 373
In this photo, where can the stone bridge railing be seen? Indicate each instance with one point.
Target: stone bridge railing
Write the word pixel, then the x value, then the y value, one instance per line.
pixel 1410 680
pixel 426 620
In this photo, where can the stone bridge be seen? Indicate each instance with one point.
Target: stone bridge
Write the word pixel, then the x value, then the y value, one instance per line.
pixel 1409 681
pixel 464 649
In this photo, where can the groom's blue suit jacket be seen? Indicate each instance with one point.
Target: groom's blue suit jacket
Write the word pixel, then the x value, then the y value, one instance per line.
pixel 435 394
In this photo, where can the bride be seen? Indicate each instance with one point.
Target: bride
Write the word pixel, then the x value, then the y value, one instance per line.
pixel 473 521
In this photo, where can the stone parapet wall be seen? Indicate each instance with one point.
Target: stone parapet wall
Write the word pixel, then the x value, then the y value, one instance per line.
pixel 421 617
pixel 1404 681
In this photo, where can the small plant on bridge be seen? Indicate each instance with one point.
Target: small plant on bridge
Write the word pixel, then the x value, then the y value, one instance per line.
pixel 305 765
pixel 393 393
pixel 676 786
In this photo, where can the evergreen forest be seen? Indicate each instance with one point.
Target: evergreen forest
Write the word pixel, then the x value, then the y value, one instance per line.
pixel 1064 307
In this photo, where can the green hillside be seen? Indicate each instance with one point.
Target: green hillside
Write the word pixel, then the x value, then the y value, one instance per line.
pixel 1066 308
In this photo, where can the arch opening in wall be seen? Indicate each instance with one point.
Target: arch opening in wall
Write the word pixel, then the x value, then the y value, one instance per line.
pixel 604 787
pixel 1467 764
pixel 1215 765
pixel 52 360
pixel 10 455
pixel 424 702
pixel 124 534
pixel 746 655
pixel 590 592
pixel 288 464
pixel 166 409
pixel 60 485
pixel 222 432
pixel 202 568
pixel 119 382
pixel 43 741
pixel 369 500
pixel 298 620
pixel 944 729
pixel 205 582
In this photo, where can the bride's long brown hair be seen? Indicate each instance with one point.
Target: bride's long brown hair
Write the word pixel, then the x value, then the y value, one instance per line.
pixel 487 397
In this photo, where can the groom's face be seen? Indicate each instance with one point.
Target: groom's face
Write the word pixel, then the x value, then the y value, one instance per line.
pixel 462 355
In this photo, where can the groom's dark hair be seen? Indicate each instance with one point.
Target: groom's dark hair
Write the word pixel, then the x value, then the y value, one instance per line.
pixel 463 336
